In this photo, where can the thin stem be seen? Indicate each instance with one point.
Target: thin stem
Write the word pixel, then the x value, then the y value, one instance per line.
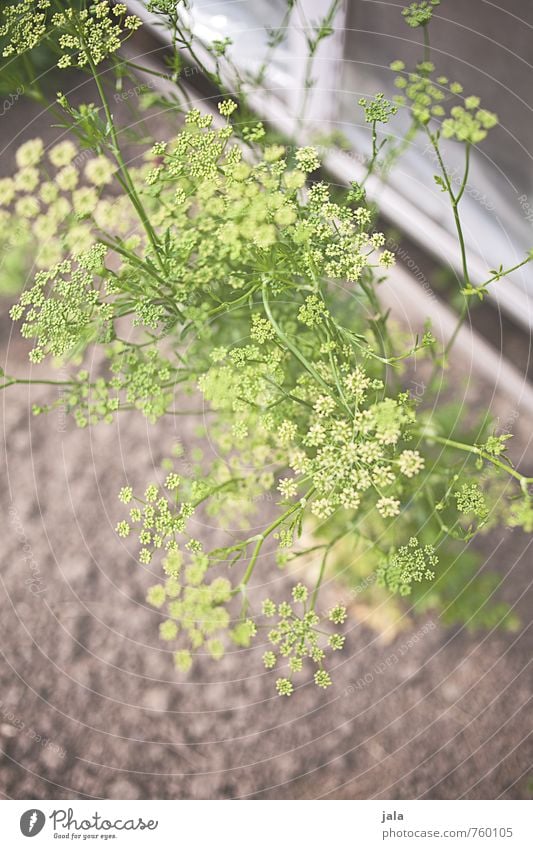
pixel 464 307
pixel 479 452
pixel 132 192
pixel 263 536
pixel 465 176
pixel 15 380
pixel 299 356
pixel 114 246
pixel 453 198
pixel 322 571
pixel 217 488
pixel 460 321
pixel 499 274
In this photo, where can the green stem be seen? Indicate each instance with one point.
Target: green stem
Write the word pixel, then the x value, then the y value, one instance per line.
pixel 294 350
pixel 500 274
pixel 15 380
pixel 117 153
pixel 260 539
pixel 217 488
pixel 320 578
pixel 479 452
pixel 465 176
pixel 464 307
pixel 455 202
pixel 114 246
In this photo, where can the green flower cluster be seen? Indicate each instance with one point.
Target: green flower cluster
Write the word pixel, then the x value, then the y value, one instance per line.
pixel 420 14
pixel 162 518
pixel 350 456
pixel 23 25
pixel 378 110
pixel 427 98
pixel 61 204
pixel 85 36
pixel 469 123
pixel 197 609
pixel 138 379
pixel 470 499
pixel 143 378
pixel 195 602
pixel 410 563
pixel 72 313
pixel 296 637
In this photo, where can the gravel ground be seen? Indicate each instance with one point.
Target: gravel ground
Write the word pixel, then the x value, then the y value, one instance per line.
pixel 90 705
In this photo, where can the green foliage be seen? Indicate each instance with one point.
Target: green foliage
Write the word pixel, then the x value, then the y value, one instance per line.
pixel 216 267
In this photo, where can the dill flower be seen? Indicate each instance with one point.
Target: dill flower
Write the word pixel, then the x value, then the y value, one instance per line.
pixel 337 614
pixel 151 492
pixel 307 159
pixel 156 596
pixel 29 153
pixel 290 384
pixel 243 632
pixel 123 529
pixel 269 608
pixel 411 562
pixel 84 200
pixel 336 642
pixel 388 507
pixel 27 179
pixel 183 660
pixel 378 109
pixel 168 630
pixel 269 659
pixel 322 508
pixel 288 487
pixel 420 14
pixel 322 679
pixel 48 192
pixel 7 191
pixel 172 481
pixel 300 593
pixel 261 330
pixel 470 499
pixel 99 171
pixel 284 687
pixel 467 125
pixel 27 207
pixel 410 463
pixel 496 445
pixel 125 495
pixel 294 180
pixel 67 179
pixel 227 108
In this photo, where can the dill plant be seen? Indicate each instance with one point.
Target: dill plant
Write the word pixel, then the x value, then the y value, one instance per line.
pixel 217 236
